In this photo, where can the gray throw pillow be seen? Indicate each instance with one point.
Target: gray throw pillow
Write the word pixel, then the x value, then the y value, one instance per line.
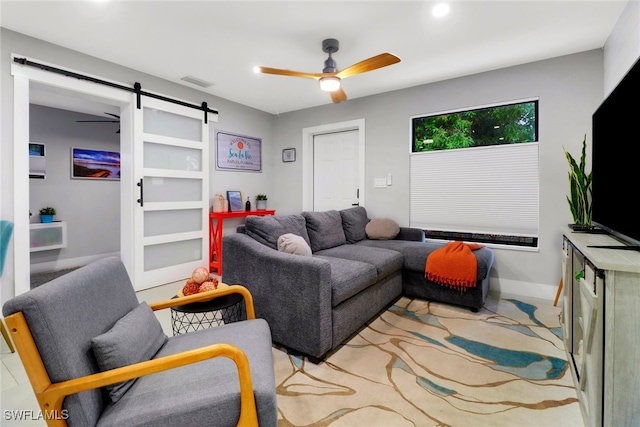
pixel 267 229
pixel 325 229
pixel 134 338
pixel 354 220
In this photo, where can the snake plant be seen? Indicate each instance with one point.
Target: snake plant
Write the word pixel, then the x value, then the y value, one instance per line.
pixel 580 186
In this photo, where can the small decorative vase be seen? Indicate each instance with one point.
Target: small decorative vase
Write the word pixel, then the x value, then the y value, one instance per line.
pixel 218 203
pixel 261 205
pixel 45 219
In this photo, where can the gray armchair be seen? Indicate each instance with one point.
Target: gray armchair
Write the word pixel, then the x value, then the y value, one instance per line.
pixel 95 356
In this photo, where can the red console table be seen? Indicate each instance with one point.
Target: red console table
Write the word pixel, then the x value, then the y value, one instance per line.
pixel 215 234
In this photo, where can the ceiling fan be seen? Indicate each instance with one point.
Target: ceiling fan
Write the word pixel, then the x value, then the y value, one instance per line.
pixel 330 77
pixel 103 121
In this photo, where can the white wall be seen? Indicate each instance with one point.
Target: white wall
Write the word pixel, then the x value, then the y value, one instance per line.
pixel 622 48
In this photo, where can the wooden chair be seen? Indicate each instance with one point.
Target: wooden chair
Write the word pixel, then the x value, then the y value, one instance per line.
pixel 188 381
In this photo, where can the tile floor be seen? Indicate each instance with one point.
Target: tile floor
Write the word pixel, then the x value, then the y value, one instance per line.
pixel 15 391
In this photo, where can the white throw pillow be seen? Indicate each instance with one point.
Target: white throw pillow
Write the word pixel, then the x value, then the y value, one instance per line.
pixel 293 244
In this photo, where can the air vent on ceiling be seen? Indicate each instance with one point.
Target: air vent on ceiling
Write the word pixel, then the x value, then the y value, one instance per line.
pixel 196 81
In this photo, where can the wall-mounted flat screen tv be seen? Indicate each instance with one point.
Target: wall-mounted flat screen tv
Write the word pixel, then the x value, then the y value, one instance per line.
pixel 616 160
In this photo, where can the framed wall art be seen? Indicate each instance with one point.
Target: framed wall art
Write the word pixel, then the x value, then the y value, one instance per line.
pixel 95 164
pixel 238 152
pixel 235 201
pixel 289 155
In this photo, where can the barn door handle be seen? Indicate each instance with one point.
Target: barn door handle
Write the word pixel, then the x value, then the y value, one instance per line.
pixel 357 197
pixel 141 199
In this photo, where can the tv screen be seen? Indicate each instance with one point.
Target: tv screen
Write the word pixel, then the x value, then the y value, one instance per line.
pixel 616 160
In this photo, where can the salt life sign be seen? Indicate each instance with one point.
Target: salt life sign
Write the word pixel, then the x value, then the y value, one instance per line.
pixel 238 152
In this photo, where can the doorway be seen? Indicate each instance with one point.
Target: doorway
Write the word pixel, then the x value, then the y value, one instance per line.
pixel 157 127
pixel 313 169
pixel 87 208
pixel 25 80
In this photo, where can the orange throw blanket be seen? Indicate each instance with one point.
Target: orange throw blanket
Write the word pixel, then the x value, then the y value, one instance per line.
pixel 453 266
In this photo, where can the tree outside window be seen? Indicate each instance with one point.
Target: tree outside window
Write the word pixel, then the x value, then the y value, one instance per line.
pixel 505 124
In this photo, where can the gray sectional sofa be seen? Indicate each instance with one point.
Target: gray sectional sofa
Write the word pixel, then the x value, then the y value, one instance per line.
pixel 314 302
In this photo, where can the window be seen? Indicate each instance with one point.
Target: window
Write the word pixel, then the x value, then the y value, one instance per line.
pixel 475 174
pixel 504 124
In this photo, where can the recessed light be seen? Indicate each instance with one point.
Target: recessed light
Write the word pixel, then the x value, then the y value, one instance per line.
pixel 440 10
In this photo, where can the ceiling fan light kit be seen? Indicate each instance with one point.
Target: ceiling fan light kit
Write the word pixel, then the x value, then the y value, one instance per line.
pixel 329 84
pixel 330 78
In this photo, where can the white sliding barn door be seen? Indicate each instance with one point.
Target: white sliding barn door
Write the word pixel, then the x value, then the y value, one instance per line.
pixel 171 193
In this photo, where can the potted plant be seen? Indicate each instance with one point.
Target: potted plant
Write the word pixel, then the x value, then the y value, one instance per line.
pixel 580 187
pixel 46 214
pixel 261 202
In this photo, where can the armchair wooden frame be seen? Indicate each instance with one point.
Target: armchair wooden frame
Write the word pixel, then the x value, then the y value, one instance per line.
pixel 51 395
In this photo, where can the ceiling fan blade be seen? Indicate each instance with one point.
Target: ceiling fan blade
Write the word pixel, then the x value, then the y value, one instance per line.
pixel 112 115
pixel 280 72
pixel 373 63
pixel 338 95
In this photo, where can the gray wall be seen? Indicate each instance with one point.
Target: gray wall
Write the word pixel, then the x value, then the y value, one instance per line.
pixel 91 208
pixel 233 117
pixel 569 89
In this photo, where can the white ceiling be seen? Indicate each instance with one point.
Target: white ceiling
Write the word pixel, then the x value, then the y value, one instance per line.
pixel 221 41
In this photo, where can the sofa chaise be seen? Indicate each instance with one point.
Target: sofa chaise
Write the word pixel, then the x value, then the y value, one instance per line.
pixel 318 277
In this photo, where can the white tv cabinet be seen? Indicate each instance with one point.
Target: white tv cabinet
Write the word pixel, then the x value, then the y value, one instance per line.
pixel 601 327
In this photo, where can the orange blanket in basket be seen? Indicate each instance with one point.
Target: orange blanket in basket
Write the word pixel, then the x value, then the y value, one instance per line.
pixel 453 266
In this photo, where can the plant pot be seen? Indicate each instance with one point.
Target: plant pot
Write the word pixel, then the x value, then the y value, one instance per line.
pixel 45 219
pixel 261 205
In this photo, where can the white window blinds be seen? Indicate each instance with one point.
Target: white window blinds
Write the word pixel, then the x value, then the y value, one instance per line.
pixel 489 190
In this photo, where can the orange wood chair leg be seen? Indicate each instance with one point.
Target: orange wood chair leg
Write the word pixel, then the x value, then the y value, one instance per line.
pixel 5 335
pixel 558 293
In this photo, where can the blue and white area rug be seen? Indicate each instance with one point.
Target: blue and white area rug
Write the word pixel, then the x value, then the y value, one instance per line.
pixel 429 364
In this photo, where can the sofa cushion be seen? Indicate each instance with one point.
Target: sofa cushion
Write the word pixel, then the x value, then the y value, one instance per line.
pixel 267 229
pixel 348 277
pixel 168 398
pixel 385 261
pixel 382 228
pixel 415 257
pixel 293 244
pixel 136 337
pixel 354 221
pixel 325 229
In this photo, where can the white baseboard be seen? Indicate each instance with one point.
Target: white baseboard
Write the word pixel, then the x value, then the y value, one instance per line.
pixel 62 264
pixel 533 292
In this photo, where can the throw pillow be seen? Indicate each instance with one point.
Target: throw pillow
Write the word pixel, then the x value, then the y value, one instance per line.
pixel 267 229
pixel 354 220
pixel 325 229
pixel 134 338
pixel 293 244
pixel 382 229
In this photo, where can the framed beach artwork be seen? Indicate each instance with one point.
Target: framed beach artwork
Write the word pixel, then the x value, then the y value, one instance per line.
pixel 92 164
pixel 235 201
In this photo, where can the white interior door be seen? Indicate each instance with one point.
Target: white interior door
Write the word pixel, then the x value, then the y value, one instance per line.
pixel 171 163
pixel 336 171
